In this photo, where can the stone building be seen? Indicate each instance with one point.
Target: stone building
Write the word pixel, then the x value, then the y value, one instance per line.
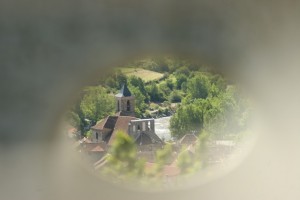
pixel 141 130
pixel 125 102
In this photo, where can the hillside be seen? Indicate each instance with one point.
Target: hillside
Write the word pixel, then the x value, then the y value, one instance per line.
pixel 145 75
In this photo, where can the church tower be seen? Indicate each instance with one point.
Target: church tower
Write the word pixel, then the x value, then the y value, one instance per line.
pixel 125 102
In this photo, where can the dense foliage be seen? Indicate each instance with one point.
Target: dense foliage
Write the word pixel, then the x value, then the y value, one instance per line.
pixel 200 103
pixel 204 101
pixel 210 104
pixel 95 104
pixel 122 163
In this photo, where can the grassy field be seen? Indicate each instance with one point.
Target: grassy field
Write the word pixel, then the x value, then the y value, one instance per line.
pixel 144 74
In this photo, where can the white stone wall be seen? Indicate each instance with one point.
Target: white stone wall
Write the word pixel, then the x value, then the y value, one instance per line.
pixel 142 125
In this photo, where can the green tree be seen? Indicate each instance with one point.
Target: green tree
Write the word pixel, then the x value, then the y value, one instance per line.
pixel 163 157
pixel 139 83
pixel 155 93
pixel 97 103
pixel 175 97
pixel 186 162
pixel 227 112
pixel 198 86
pixel 88 134
pixel 122 163
pixel 163 87
pixel 157 64
pixel 190 160
pixel 140 105
pixel 111 82
pixel 120 78
pixel 180 79
pixel 184 87
pixel 170 83
pixel 182 71
pixel 219 81
pixel 188 118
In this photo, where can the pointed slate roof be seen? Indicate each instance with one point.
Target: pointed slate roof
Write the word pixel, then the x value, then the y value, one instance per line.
pixel 124 92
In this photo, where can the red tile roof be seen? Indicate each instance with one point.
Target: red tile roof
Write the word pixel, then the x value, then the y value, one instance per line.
pixel 108 122
pixel 169 170
pixel 121 125
pixel 98 148
pixel 85 140
pixel 94 147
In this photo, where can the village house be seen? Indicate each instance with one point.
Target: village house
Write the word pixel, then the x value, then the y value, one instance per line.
pixel 141 130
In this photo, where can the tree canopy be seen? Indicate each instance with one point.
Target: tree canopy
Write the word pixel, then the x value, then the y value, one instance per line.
pixel 96 103
pixel 122 163
pixel 203 100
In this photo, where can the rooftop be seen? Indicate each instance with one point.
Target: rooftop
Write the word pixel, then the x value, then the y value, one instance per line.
pixel 109 122
pixel 188 139
pixel 121 125
pixel 124 92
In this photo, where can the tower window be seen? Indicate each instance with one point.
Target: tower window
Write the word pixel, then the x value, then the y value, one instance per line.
pixel 118 109
pixel 128 105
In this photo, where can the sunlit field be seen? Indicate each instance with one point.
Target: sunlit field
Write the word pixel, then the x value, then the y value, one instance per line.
pixel 144 74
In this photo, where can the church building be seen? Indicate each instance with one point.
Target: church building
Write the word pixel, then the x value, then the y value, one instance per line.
pixel 141 130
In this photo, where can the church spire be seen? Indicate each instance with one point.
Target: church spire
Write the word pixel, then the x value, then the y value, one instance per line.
pixel 124 92
pixel 125 102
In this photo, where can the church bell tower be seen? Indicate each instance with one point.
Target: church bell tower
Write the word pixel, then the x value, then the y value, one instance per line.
pixel 125 102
